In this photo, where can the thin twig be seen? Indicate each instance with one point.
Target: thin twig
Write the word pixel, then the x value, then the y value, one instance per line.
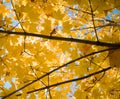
pixel 36 75
pixel 93 20
pixel 99 26
pixel 14 26
pixel 17 16
pixel 95 81
pixel 78 9
pixel 19 23
pixel 49 88
pixel 83 11
pixel 39 80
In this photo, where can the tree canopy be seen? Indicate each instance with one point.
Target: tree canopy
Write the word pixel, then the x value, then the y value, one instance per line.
pixel 59 49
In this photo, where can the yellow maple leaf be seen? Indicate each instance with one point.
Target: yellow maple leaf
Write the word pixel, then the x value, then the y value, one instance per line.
pixel 58 15
pixel 67 26
pixel 48 9
pixel 114 58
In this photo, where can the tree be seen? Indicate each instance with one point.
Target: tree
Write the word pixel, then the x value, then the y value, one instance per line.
pixel 59 49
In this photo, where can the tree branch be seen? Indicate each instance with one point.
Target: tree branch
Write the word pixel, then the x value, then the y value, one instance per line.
pixel 97 27
pixel 64 65
pixel 68 81
pixel 77 9
pixel 64 39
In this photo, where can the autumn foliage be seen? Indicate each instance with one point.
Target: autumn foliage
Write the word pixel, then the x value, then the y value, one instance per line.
pixel 59 49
